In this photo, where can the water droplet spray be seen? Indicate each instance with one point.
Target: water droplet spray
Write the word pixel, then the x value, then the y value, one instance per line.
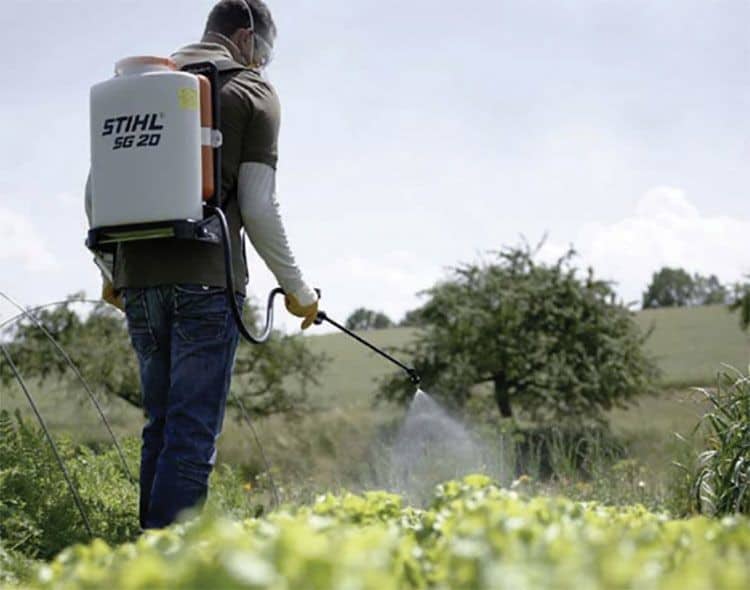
pixel 430 447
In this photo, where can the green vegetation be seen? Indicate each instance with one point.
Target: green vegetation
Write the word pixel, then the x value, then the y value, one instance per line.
pixel 674 287
pixel 368 319
pixel 473 536
pixel 336 440
pixel 722 482
pixel 37 514
pixel 554 345
pixel 329 445
pixel 690 345
pixel 267 379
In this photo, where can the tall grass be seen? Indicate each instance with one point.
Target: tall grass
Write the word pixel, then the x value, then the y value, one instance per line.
pixel 722 480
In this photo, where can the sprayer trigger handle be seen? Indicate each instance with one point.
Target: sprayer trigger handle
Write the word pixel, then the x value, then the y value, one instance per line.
pixel 320 318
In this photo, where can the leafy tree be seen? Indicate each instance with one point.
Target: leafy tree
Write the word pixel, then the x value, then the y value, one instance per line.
pixel 367 319
pixel 551 343
pixel 99 345
pixel 670 287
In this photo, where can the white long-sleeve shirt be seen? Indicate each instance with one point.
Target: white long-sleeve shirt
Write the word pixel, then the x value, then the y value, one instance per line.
pixel 262 221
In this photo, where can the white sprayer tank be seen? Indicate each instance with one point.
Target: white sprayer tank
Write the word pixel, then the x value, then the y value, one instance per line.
pixel 146 145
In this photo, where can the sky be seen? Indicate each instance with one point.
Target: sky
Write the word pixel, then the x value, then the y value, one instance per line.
pixel 418 135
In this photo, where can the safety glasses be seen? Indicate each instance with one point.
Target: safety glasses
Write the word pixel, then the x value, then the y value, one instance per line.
pixel 263 54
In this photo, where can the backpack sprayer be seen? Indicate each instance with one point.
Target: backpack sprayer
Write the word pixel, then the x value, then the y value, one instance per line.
pixel 156 167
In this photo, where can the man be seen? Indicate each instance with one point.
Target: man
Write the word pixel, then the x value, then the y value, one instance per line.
pixel 174 292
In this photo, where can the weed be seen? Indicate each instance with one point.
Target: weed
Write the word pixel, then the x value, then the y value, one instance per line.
pixel 722 481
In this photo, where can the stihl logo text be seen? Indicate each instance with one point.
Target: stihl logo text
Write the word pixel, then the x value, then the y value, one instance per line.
pixel 134 131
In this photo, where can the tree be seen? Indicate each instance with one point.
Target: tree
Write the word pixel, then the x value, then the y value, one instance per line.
pixel 670 287
pixel 674 287
pixel 367 319
pixel 552 344
pixel 99 345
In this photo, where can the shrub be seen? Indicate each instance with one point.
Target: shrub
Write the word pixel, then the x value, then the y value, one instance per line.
pixel 38 516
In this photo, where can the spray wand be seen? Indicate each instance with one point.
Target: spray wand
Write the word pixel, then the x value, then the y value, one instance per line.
pixel 413 377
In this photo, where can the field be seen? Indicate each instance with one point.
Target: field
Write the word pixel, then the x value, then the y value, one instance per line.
pixel 690 345
pixel 471 534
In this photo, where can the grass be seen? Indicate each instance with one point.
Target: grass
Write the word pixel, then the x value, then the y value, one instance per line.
pixel 690 344
pixel 349 380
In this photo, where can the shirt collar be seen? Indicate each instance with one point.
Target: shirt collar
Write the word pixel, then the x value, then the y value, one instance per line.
pixel 226 43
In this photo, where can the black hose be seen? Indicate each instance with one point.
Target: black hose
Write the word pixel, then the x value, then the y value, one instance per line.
pixel 233 306
pixel 61 463
pixel 246 334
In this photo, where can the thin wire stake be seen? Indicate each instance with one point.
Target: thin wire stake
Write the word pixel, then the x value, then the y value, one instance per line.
pixel 266 464
pixel 85 384
pixel 20 316
pixel 51 441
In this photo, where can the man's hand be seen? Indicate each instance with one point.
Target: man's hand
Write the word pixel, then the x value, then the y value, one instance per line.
pixel 309 312
pixel 110 296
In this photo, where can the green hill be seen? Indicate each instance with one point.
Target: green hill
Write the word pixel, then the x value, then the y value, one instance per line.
pixel 689 344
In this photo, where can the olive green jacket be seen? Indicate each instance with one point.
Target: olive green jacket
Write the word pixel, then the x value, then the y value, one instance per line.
pixel 250 116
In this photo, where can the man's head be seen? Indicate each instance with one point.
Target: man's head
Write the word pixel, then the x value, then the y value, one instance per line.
pixel 249 25
pixel 265 31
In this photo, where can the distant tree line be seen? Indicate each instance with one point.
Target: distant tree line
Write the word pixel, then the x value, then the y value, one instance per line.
pixel 675 287
pixel 368 319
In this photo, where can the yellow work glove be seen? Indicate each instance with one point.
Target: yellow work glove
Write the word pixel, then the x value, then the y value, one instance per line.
pixel 308 312
pixel 110 296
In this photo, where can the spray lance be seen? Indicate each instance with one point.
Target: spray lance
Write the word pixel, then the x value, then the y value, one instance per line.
pixel 412 374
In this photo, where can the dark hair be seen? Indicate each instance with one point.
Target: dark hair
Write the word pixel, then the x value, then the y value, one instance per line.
pixel 228 16
pixel 264 24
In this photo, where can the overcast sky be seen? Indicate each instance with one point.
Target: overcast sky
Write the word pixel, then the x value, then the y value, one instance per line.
pixel 419 134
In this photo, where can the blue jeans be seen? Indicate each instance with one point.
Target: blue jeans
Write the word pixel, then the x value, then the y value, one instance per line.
pixel 185 339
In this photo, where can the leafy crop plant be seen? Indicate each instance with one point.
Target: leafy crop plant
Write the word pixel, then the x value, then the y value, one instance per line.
pixel 474 535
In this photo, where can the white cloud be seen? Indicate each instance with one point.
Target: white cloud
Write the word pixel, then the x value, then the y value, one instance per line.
pixel 389 282
pixel 666 229
pixel 24 247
